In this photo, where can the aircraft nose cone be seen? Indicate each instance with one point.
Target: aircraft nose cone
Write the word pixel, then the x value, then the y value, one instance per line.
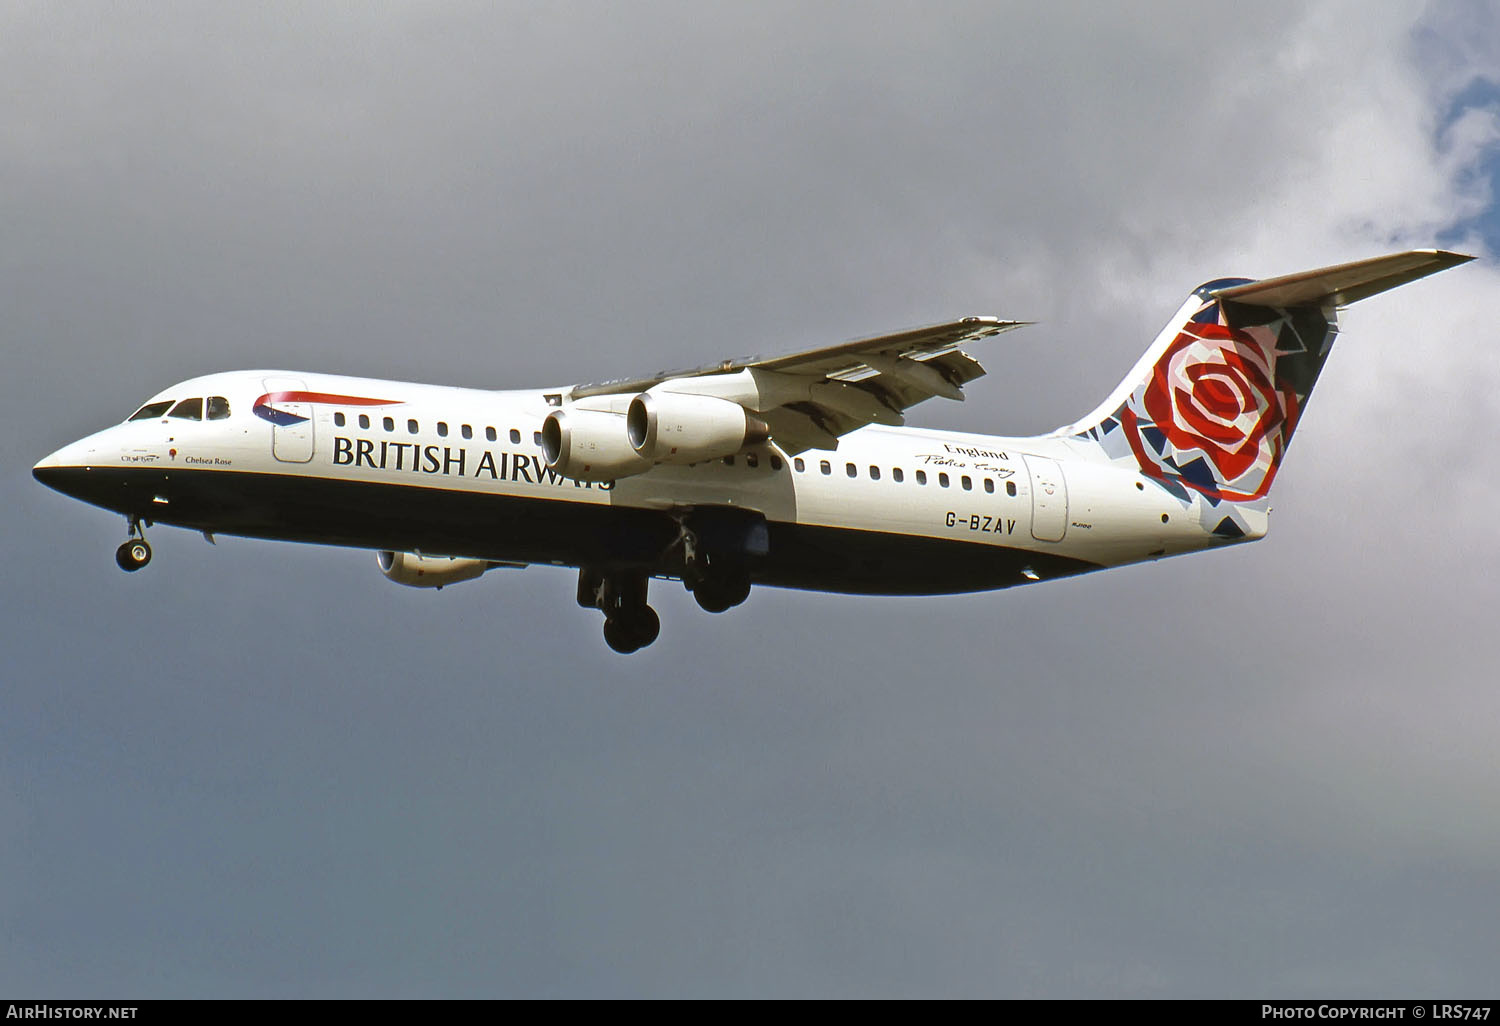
pixel 65 470
pixel 46 469
pixel 54 475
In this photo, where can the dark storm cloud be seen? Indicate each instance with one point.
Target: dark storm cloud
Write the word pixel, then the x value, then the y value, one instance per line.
pixel 261 770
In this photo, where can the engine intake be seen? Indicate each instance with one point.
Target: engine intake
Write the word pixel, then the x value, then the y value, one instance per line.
pixel 670 427
pixel 589 445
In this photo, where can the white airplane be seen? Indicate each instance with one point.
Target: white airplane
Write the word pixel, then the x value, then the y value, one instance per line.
pixel 794 471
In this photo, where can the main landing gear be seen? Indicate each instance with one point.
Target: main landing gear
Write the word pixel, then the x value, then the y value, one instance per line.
pixel 717 591
pixel 135 553
pixel 629 623
pixel 712 557
pixel 717 583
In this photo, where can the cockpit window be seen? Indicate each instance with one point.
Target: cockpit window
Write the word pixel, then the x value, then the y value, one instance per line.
pixel 188 409
pixel 151 410
pixel 218 408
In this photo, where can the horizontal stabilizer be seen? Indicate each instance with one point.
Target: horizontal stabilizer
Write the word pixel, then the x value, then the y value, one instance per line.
pixel 1342 284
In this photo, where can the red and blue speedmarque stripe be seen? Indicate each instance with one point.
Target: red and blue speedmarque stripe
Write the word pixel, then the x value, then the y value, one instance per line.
pixel 282 418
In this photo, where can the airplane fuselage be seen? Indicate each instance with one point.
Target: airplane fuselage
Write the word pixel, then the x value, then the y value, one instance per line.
pixel 460 472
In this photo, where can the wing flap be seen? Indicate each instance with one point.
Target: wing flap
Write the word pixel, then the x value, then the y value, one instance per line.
pixel 797 431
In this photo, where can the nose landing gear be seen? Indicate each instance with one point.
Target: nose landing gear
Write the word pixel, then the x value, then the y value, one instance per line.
pixel 135 553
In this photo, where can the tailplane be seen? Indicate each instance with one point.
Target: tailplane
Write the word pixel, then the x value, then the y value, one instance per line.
pixel 1212 405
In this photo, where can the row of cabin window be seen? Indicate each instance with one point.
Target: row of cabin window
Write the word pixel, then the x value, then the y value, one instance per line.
pixel 898 475
pixel 412 427
pixel 752 461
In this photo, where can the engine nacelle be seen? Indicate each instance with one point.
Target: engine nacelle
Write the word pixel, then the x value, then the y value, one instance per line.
pixel 417 571
pixel 670 427
pixel 589 445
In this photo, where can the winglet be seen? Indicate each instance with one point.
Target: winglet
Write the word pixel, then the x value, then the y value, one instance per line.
pixel 1342 284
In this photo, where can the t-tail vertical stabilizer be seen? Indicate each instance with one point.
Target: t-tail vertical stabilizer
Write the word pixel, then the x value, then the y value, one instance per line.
pixel 1212 405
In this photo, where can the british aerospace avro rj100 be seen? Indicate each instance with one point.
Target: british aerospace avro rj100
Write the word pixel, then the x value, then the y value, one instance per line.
pixel 795 471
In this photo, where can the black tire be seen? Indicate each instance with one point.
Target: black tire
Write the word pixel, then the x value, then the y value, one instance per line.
pixel 133 555
pixel 717 594
pixel 647 627
pixel 632 632
pixel 619 636
pixel 710 598
pixel 737 589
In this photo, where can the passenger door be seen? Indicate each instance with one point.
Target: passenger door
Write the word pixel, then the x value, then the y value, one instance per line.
pixel 292 423
pixel 1049 499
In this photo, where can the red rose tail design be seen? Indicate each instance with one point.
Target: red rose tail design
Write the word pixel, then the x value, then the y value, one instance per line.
pixel 1214 413
pixel 1209 410
pixel 1213 404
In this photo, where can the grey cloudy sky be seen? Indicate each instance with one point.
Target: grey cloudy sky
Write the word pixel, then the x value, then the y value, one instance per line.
pixel 261 770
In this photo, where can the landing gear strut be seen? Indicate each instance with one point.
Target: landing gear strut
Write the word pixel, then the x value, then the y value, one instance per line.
pixel 135 553
pixel 629 623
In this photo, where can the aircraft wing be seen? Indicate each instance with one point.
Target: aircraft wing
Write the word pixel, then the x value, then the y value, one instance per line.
pixel 811 398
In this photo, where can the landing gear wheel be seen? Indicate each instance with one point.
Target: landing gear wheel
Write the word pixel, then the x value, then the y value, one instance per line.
pixel 710 599
pixel 618 637
pixel 133 555
pixel 716 594
pixel 647 627
pixel 629 624
pixel 632 630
